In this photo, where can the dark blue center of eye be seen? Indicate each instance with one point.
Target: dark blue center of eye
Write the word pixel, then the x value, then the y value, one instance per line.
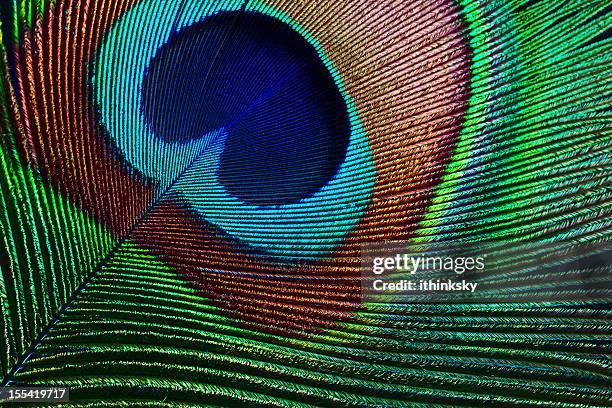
pixel 257 78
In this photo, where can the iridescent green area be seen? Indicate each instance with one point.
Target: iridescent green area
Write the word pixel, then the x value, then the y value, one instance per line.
pixel 534 156
pixel 49 248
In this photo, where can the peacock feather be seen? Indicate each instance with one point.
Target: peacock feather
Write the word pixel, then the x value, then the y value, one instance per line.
pixel 187 187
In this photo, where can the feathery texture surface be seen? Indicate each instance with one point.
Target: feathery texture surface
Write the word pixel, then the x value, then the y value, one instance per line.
pixel 186 186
